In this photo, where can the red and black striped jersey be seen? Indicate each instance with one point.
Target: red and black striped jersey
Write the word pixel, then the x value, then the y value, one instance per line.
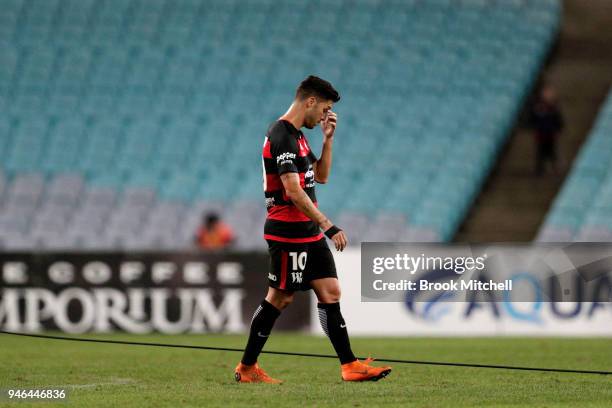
pixel 286 150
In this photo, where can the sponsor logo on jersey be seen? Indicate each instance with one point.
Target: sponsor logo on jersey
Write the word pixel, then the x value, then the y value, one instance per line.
pixel 296 277
pixel 287 157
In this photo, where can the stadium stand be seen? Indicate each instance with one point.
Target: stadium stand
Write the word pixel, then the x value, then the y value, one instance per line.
pixel 123 120
pixel 583 209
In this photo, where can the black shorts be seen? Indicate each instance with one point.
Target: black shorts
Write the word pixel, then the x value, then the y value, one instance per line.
pixel 294 266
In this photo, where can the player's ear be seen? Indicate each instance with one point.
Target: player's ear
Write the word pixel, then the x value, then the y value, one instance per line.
pixel 311 101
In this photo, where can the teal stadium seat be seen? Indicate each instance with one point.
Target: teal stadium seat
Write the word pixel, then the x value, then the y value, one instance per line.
pixel 584 203
pixel 176 95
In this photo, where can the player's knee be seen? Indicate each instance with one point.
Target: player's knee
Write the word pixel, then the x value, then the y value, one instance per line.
pixel 285 301
pixel 280 300
pixel 335 294
pixel 331 294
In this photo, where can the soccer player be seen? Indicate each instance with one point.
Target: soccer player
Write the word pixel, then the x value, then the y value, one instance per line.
pixel 295 229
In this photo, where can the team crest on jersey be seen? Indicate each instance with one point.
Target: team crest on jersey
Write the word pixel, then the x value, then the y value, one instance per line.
pixel 309 178
pixel 296 277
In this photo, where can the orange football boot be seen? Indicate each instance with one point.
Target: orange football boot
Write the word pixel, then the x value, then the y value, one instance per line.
pixel 362 371
pixel 253 374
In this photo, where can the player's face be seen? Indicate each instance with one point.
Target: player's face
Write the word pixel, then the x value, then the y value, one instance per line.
pixel 316 113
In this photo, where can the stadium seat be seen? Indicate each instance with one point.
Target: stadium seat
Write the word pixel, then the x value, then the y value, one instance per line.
pixel 582 209
pixel 127 107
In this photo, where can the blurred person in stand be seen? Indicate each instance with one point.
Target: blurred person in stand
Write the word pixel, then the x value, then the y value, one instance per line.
pixel 214 234
pixel 546 120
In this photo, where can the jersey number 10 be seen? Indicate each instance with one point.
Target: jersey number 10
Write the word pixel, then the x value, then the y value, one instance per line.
pixel 298 260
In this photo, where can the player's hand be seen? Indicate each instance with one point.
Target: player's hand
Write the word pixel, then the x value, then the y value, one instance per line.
pixel 328 124
pixel 340 240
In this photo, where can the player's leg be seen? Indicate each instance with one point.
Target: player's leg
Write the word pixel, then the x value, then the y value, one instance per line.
pixel 332 322
pixel 279 296
pixel 261 326
pixel 263 321
pixel 321 272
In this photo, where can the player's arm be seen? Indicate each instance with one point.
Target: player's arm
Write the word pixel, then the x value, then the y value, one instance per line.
pixel 297 195
pixel 322 166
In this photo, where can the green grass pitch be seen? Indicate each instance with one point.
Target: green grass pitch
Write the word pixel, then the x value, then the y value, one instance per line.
pixel 99 375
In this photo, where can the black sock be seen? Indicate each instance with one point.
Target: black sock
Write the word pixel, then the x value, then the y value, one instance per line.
pixel 263 320
pixel 335 328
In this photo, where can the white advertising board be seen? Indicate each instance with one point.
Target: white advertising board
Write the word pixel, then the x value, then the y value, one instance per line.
pixel 460 318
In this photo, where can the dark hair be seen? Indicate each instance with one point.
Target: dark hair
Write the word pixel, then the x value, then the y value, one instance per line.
pixel 210 219
pixel 315 86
